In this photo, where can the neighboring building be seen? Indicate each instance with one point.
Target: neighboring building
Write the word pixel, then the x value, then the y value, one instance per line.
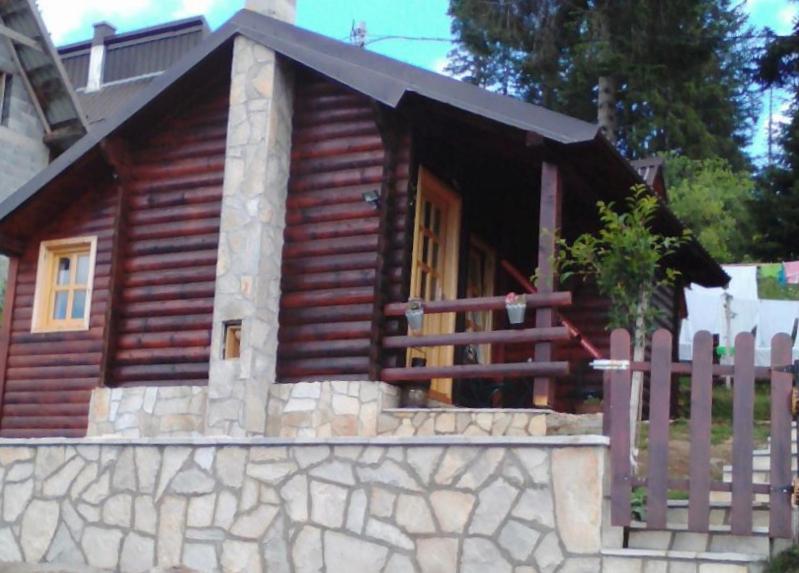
pixel 39 115
pixel 109 69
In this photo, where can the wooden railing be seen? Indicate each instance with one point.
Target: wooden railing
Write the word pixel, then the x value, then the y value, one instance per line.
pixel 509 336
pixel 699 484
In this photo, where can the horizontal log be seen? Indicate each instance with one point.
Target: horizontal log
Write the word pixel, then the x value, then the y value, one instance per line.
pixel 174 229
pixel 213 144
pixel 335 331
pixel 44 409
pixel 48 372
pixel 366 176
pixel 175 339
pixel 339 246
pixel 492 371
pixel 45 422
pixel 53 359
pixel 185 245
pixel 341 211
pixel 168 170
pixel 339 146
pixel 337 163
pixel 173 198
pixel 177 213
pixel 349 262
pixel 322 349
pixel 36 347
pixel 322 314
pixel 322 366
pixel 322 197
pixel 307 281
pixel 162 372
pixel 165 323
pixel 184 182
pixel 312 117
pixel 54 385
pixel 328 297
pixel 332 230
pixel 322 132
pixel 163 355
pixel 169 308
pixel 170 261
pixel 174 276
pixel 46 397
pixel 538 300
pixel 491 337
pixel 43 433
pixel 188 291
pixel 61 340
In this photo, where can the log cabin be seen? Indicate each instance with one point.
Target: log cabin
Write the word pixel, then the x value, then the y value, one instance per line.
pixel 263 212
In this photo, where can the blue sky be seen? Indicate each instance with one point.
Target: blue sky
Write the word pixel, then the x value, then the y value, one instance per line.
pixel 70 21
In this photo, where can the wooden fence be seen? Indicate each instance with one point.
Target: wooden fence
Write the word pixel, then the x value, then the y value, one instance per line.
pixel 699 483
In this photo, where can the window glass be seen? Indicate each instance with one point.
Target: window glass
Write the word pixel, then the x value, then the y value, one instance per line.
pixel 82 271
pixel 60 305
pixel 79 304
pixel 62 277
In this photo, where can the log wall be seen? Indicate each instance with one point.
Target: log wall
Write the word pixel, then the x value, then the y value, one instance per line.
pixel 331 252
pixel 167 208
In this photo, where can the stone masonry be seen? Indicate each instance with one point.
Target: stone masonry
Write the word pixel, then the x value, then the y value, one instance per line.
pixel 250 239
pixel 380 505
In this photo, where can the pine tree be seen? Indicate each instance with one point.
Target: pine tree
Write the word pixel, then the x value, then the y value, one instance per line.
pixel 677 72
pixel 776 209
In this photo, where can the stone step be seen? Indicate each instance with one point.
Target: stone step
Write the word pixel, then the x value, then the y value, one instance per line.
pixel 763 462
pixel 676 537
pixel 645 560
pixel 677 513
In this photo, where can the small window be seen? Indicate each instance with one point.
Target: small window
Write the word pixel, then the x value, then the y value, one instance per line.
pixel 64 281
pixel 232 349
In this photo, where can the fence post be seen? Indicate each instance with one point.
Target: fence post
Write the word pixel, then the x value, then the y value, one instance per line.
pixel 621 487
pixel 659 403
pixel 742 421
pixel 701 415
pixel 780 474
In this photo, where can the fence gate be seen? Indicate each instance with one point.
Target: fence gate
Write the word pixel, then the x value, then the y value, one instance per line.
pixel 699 483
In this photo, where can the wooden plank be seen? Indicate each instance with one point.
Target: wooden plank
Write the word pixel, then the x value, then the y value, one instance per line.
pixel 19 38
pixel 780 469
pixel 548 230
pixel 683 484
pixel 621 484
pixel 742 445
pixel 761 372
pixel 8 320
pixel 493 371
pixel 482 303
pixel 701 410
pixel 660 399
pixel 490 337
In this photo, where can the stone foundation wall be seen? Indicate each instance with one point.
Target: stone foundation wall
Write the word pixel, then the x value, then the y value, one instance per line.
pixel 148 411
pixel 381 505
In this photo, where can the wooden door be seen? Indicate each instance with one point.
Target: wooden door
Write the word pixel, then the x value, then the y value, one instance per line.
pixel 434 272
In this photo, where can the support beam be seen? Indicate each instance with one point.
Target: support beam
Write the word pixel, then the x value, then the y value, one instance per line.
pixel 548 231
pixel 20 39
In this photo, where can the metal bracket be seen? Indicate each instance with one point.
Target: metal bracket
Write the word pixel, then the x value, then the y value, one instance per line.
pixel 610 364
pixel 789 369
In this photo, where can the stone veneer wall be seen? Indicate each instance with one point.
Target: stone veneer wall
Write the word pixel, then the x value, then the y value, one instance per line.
pixel 251 236
pixel 381 505
pixel 319 410
pixel 148 411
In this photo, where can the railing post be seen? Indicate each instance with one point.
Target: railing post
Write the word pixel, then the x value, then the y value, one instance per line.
pixel 660 397
pixel 548 229
pixel 621 486
pixel 743 400
pixel 701 410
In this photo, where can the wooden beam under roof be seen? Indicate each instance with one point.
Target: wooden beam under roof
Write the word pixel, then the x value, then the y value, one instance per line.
pixel 18 38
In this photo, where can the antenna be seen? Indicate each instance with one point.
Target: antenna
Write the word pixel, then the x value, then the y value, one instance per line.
pixel 358 34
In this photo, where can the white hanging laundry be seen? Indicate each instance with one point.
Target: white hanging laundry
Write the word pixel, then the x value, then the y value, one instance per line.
pixel 705 311
pixel 775 316
pixel 743 281
pixel 744 315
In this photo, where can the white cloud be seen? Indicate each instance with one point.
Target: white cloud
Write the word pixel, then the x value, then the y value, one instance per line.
pixel 188 8
pixel 63 18
pixel 787 15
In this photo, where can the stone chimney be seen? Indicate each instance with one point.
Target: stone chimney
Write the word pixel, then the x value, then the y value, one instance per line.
pixel 102 30
pixel 280 9
pixel 247 291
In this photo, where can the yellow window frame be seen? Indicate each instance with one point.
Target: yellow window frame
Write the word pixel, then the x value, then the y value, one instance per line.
pixel 50 253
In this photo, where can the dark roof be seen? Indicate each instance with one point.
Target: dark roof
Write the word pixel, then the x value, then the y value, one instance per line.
pixel 382 78
pixel 44 72
pixel 132 59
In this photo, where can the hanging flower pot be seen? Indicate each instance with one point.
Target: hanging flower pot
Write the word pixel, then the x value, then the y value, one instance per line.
pixel 516 305
pixel 414 314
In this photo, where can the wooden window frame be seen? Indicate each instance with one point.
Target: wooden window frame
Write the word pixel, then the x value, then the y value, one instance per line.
pixel 49 253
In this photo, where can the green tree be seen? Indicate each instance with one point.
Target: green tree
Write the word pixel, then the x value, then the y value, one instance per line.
pixel 680 69
pixel 776 210
pixel 714 201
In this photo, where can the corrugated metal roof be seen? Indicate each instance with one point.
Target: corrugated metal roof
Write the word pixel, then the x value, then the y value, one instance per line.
pixel 101 104
pixel 43 69
pixel 382 78
pixel 77 67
